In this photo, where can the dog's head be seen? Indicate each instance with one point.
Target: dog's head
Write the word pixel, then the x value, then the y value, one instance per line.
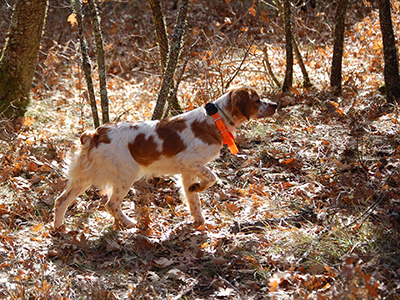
pixel 245 104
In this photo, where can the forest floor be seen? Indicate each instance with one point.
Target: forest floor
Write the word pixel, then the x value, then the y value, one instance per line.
pixel 308 209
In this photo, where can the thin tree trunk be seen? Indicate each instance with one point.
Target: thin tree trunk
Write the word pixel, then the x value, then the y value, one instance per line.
pixel 101 64
pixel 180 76
pixel 269 68
pixel 336 71
pixel 161 32
pixel 287 83
pixel 20 54
pixel 307 83
pixel 391 71
pixel 175 49
pixel 163 46
pixel 287 20
pixel 76 7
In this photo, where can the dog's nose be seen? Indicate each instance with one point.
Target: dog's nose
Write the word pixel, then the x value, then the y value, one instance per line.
pixel 273 105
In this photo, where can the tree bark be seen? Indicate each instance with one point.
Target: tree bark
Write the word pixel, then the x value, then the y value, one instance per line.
pixel 336 70
pixel 76 7
pixel 101 64
pixel 20 54
pixel 163 46
pixel 391 70
pixel 175 49
pixel 161 32
pixel 269 68
pixel 307 82
pixel 288 82
pixel 287 20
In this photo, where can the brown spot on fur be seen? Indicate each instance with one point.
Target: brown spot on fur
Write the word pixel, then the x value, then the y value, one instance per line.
pixel 167 130
pixel 244 102
pixel 255 102
pixel 207 132
pixel 143 150
pixel 134 126
pixel 92 139
pixel 240 103
pixel 101 135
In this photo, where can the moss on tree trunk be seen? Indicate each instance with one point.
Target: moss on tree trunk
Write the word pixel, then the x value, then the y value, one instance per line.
pixel 18 61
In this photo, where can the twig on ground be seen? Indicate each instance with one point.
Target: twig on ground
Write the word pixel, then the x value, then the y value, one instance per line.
pixel 187 290
pixel 305 215
pixel 232 286
pixel 368 211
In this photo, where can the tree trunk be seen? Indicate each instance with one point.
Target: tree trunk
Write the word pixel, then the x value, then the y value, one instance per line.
pixel 391 71
pixel 18 62
pixel 307 82
pixel 287 83
pixel 269 68
pixel 101 64
pixel 175 49
pixel 87 69
pixel 163 46
pixel 336 71
pixel 161 32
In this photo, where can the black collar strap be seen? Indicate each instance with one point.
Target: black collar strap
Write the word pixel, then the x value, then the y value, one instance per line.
pixel 212 109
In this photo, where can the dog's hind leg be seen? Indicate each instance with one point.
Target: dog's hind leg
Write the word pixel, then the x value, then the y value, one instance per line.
pixel 73 190
pixel 192 198
pixel 119 189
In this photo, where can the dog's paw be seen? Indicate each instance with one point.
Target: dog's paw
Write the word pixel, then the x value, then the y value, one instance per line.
pixel 195 188
pixel 199 223
pixel 54 231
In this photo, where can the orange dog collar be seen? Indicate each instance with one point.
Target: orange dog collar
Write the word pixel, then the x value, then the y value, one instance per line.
pixel 227 136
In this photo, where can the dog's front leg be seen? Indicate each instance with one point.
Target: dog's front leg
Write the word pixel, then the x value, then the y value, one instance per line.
pixel 207 178
pixel 193 199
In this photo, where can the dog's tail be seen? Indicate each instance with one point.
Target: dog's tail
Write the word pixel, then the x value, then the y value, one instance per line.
pixel 92 139
pixel 79 160
pixel 88 141
pixel 82 161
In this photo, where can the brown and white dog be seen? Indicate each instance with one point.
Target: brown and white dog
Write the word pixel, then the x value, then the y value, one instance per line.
pixel 114 156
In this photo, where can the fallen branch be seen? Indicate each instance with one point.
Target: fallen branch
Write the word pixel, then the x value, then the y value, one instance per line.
pixel 368 211
pixel 232 286
pixel 296 220
pixel 187 290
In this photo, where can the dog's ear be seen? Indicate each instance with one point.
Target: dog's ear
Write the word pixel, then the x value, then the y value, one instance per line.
pixel 240 101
